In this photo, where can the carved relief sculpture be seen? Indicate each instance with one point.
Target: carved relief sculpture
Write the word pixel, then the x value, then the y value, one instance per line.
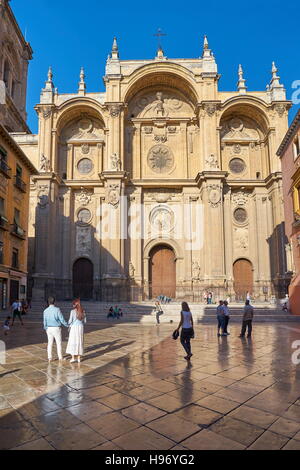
pixel 212 162
pixel 240 198
pixel 44 164
pixel 43 195
pixel 195 271
pixel 84 197
pixel 115 162
pixel 83 241
pixel 131 270
pixel 241 239
pixel 160 159
pixel 214 195
pixel 113 196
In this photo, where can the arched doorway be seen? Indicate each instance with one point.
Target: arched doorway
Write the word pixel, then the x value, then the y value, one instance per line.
pixel 162 271
pixel 243 278
pixel 83 274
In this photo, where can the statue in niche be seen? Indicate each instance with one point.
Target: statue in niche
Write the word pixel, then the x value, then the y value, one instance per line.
pixel 131 270
pixel 211 161
pixel 158 105
pixel 45 164
pixel 115 162
pixel 195 271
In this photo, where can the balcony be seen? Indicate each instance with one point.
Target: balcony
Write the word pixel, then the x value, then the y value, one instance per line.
pixel 4 225
pixel 19 183
pixel 4 169
pixel 17 231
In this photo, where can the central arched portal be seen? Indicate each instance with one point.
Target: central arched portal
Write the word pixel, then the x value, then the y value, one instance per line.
pixel 243 278
pixel 162 271
pixel 83 274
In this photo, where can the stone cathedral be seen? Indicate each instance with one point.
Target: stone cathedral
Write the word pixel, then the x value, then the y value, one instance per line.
pixel 161 185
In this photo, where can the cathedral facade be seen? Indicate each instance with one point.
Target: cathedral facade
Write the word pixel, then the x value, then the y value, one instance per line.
pixel 161 185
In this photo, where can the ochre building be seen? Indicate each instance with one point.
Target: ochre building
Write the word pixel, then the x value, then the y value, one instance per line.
pixel 15 172
pixel 289 152
pixel 161 185
pixel 15 167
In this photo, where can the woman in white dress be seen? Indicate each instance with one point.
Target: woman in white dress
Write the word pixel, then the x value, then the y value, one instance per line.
pixel 76 336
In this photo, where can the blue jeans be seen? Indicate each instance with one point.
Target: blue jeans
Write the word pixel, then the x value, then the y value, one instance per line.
pixel 185 339
pixel 221 322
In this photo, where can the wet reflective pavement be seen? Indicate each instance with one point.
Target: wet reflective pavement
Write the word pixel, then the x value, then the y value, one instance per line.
pixel 134 390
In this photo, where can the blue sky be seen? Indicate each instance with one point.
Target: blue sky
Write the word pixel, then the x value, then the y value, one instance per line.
pixel 70 33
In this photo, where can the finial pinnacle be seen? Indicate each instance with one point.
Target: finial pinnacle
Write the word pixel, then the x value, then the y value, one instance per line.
pixel 50 74
pixel 115 50
pixel 115 44
pixel 241 85
pixel 205 42
pixel 82 75
pixel 82 84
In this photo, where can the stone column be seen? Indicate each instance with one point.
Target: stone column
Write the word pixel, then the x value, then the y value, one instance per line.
pixel 116 208
pixel 228 245
pixel 212 182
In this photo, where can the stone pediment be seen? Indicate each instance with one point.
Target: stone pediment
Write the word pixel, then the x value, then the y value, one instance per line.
pixel 237 130
pixel 83 129
pixel 160 104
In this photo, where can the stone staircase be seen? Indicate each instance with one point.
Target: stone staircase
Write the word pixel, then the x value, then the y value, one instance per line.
pixel 142 312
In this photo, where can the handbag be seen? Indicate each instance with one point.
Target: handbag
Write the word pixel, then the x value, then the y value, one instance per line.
pixel 175 334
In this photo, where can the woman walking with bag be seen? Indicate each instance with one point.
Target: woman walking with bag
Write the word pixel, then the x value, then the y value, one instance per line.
pixel 187 330
pixel 76 335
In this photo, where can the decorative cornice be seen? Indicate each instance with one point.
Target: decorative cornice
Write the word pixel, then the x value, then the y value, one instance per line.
pixel 12 143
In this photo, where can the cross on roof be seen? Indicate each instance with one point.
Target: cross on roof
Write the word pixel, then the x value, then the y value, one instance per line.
pixel 159 34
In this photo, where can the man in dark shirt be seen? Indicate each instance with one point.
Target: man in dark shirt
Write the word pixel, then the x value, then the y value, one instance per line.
pixel 247 320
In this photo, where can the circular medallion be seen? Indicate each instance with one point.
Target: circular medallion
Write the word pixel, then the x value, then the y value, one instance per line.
pixel 240 215
pixel 85 125
pixel 85 166
pixel 84 216
pixel 237 165
pixel 162 219
pixel 160 159
pixel 236 124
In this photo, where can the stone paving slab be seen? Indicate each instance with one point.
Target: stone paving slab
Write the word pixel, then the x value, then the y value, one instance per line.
pixel 134 390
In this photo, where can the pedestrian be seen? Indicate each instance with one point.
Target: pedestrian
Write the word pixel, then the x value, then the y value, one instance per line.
pixel 16 310
pixel 75 346
pixel 158 311
pixel 110 313
pixel 23 307
pixel 116 313
pixel 227 316
pixel 53 321
pixel 209 298
pixel 187 329
pixel 205 297
pixel 247 320
pixel 248 297
pixel 6 326
pixel 221 318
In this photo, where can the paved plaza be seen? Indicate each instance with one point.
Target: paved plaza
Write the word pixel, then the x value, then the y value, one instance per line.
pixel 134 390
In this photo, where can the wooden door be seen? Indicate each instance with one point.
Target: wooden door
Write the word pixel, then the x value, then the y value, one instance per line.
pixel 162 272
pixel 83 274
pixel 14 291
pixel 243 278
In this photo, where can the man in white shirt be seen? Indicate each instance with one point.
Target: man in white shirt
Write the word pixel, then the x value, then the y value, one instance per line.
pixel 16 309
pixel 53 321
